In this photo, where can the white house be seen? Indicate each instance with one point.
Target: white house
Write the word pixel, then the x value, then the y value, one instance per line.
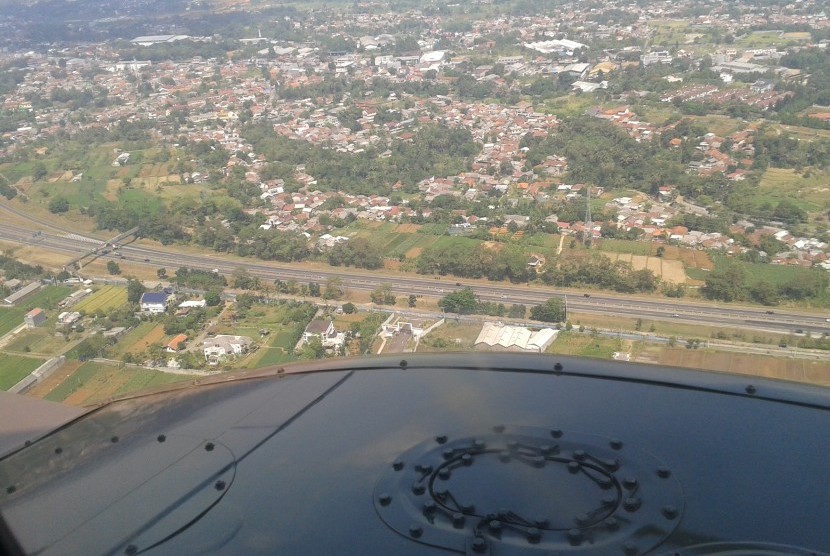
pixel 154 302
pixel 219 347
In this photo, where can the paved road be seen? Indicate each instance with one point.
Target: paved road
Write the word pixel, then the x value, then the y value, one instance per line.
pixel 782 322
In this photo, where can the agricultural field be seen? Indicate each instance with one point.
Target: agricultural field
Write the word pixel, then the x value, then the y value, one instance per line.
pixel 131 338
pixel 47 298
pixel 94 382
pixel 809 191
pixel 105 299
pixel 800 370
pixel 14 368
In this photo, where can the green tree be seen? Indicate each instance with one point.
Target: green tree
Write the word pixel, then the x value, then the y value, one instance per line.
pixel 726 284
pixel 334 288
pixel 383 295
pixel 552 310
pixel 213 298
pixel 413 300
pixel 113 268
pixel 135 289
pixel 349 308
pixel 58 205
pixel 463 301
pixel 314 289
pixel 161 273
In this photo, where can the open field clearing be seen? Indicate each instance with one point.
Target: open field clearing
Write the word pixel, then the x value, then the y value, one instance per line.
pixel 105 299
pixel 668 271
pixel 14 368
pixel 154 336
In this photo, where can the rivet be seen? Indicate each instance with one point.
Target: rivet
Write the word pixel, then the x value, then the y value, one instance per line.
pixel 574 466
pixel 616 443
pixel 629 482
pixel 612 464
pixel 441 438
pixel 630 549
pixel 403 363
pixel 415 531
pixel 11 489
pixel 670 512
pixel 494 525
pixel 209 447
pixel 557 367
pixel 631 504
pixel 444 474
pixel 546 449
pixel 663 472
pixel 540 521
pixel 397 466
pixel 538 462
pixel 499 429
pixel 131 550
pixel 575 536
pixel 467 459
pixel 556 433
pixel 479 545
pixel 750 389
pixel 533 535
pixel 384 499
pixel 219 485
pixel 468 508
pixel 458 520
pixel 161 438
pixel 430 507
pixel 58 450
pixel 579 455
pixel 114 439
pixel 604 482
pixel 581 519
pixel 479 444
pixel 418 489
pixel 612 523
pixel 609 501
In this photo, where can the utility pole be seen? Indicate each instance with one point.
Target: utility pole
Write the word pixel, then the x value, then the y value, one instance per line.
pixel 588 236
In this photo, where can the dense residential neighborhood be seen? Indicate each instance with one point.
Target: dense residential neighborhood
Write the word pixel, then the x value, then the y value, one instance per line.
pixel 654 149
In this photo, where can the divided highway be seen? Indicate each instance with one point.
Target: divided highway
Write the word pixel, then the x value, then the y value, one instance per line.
pixel 783 322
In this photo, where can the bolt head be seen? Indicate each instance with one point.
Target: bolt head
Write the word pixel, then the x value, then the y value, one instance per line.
pixel 663 472
pixel 385 499
pixel 575 536
pixel 416 531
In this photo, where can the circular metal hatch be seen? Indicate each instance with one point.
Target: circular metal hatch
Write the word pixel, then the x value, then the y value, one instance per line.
pixel 530 490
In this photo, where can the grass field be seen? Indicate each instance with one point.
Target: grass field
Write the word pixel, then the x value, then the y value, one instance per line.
pixel 755 272
pixel 10 318
pixel 584 344
pixel 108 297
pixel 14 368
pixel 40 341
pixel 623 246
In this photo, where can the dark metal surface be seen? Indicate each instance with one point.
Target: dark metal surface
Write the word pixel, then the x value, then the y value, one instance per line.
pixel 497 454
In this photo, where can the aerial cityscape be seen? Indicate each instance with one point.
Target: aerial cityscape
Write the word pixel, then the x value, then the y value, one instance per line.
pixel 200 187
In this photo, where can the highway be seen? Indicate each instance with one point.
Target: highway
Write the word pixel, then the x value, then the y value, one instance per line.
pixel 781 321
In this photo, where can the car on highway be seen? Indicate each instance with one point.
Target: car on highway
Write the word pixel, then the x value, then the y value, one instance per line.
pixel 675 315
pixel 770 312
pixel 586 295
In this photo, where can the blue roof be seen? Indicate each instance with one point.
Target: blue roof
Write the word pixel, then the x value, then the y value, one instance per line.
pixel 154 297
